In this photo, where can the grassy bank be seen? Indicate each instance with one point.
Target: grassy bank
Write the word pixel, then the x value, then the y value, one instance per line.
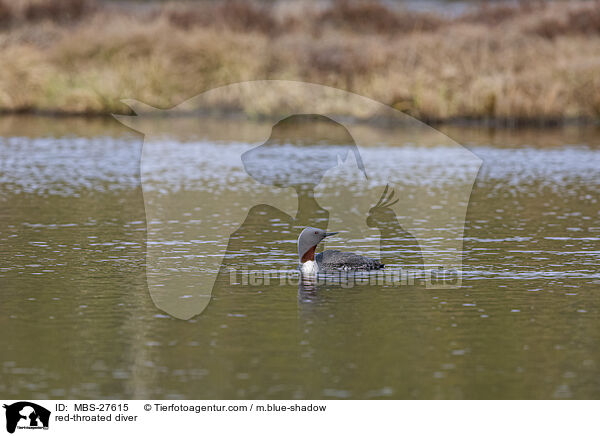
pixel 529 62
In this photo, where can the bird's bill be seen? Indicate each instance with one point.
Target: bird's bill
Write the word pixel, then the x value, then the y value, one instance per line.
pixel 330 233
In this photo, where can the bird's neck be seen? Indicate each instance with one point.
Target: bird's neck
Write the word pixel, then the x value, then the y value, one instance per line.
pixel 309 267
pixel 309 255
pixel 307 262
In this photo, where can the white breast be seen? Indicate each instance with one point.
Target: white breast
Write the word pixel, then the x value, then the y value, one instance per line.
pixel 310 267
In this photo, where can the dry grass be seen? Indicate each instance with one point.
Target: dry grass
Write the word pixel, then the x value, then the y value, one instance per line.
pixel 235 15
pixel 583 19
pixel 533 61
pixel 375 17
pixel 32 11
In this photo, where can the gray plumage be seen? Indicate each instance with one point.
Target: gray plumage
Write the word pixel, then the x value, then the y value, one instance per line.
pixel 340 260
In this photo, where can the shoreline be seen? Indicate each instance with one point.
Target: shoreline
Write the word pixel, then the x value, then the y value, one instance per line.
pixel 471 122
pixel 232 128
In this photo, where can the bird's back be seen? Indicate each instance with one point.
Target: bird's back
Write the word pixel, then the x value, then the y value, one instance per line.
pixel 341 260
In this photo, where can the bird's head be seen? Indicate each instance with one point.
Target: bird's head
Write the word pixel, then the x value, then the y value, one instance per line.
pixel 308 240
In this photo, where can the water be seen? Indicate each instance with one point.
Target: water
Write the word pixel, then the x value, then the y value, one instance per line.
pixel 77 319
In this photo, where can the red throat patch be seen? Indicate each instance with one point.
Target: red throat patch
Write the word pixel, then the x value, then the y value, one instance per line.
pixel 309 255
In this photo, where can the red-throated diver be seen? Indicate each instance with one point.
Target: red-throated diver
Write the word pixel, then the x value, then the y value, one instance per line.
pixel 329 259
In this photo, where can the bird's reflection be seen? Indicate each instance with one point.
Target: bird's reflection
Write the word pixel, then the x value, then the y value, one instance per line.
pixel 307 289
pixel 311 287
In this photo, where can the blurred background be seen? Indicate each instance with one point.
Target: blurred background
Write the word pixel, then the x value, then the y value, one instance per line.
pixel 508 61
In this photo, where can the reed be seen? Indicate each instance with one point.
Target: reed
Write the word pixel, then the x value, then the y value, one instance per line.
pixel 532 61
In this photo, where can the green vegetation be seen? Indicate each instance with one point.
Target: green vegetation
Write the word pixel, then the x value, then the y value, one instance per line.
pixel 534 61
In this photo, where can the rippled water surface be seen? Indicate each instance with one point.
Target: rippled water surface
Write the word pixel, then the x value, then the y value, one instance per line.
pixel 77 319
